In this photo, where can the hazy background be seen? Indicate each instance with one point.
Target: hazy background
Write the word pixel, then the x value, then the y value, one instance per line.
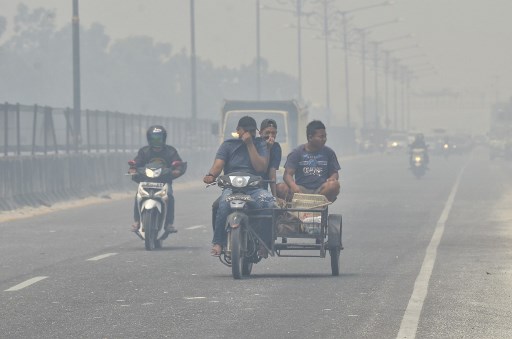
pixel 135 56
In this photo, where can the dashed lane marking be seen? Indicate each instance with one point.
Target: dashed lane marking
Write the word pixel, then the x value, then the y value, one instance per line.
pixel 194 227
pixel 25 284
pixel 103 256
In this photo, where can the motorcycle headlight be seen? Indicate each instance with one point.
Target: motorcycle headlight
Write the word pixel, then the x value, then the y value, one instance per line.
pixel 142 192
pixel 239 181
pixel 150 173
pixel 417 159
pixel 161 193
pixel 445 146
pixel 394 144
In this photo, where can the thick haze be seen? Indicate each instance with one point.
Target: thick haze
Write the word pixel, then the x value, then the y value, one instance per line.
pixel 465 41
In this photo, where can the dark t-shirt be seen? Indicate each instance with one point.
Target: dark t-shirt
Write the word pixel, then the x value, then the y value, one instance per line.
pixel 166 157
pixel 312 168
pixel 236 156
pixel 273 162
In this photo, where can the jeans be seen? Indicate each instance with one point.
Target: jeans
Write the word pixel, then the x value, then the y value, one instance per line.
pixel 169 219
pixel 262 199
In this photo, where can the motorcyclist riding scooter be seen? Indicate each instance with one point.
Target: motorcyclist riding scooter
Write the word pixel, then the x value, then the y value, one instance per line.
pixel 158 152
pixel 418 144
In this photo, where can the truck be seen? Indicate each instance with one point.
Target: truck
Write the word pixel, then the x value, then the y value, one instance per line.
pixel 290 116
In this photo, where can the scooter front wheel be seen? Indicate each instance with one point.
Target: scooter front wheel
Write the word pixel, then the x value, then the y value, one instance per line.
pixel 149 220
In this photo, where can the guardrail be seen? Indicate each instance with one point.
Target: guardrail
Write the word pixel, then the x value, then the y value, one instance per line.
pixel 31 130
pixel 40 165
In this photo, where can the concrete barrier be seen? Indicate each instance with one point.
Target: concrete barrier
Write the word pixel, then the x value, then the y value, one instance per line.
pixel 45 180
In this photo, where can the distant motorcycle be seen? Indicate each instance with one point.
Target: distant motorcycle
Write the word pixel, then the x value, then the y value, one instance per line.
pixel 152 203
pixel 418 163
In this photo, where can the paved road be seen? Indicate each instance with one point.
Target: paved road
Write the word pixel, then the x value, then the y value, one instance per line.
pixel 425 258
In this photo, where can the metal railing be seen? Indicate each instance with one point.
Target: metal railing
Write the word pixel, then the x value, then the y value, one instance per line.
pixel 31 130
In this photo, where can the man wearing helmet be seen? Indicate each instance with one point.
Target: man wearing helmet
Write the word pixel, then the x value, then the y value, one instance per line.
pixel 158 152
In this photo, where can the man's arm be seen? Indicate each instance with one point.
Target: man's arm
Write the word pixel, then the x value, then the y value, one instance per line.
pixel 260 163
pixel 288 179
pixel 272 176
pixel 214 172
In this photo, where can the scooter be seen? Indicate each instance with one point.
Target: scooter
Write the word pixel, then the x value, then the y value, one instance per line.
pixel 417 162
pixel 152 201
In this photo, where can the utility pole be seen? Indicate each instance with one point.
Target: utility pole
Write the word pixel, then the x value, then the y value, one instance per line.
pixel 193 60
pixel 76 76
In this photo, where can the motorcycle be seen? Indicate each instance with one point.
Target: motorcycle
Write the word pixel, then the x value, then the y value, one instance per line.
pixel 243 240
pixel 152 201
pixel 418 163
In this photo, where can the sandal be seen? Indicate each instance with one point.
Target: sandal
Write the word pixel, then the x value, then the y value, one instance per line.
pixel 216 250
pixel 135 227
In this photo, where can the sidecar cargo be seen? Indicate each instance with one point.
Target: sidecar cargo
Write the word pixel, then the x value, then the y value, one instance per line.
pixel 299 219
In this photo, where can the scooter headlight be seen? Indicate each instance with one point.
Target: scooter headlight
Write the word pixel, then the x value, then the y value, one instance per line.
pixel 239 181
pixel 445 146
pixel 162 193
pixel 142 192
pixel 417 159
pixel 153 173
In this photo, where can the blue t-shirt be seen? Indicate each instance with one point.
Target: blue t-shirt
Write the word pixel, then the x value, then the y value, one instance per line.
pixel 274 160
pixel 312 168
pixel 236 156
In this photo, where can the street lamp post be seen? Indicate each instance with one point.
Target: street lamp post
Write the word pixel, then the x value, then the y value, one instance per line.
pixel 387 67
pixel 193 74
pixel 299 47
pixel 376 77
pixel 326 35
pixel 344 24
pixel 76 75
pixel 298 13
pixel 363 32
pixel 258 52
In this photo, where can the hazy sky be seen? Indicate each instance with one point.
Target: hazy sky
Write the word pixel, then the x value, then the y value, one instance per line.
pixel 467 41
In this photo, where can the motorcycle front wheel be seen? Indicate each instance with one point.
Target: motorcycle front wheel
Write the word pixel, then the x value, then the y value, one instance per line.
pixel 149 220
pixel 237 259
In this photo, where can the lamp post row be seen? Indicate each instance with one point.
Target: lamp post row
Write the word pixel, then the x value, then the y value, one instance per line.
pixel 299 14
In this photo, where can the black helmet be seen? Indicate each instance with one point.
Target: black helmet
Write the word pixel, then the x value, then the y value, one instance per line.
pixel 156 136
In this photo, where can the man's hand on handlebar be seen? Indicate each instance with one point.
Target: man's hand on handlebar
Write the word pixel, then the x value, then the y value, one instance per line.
pixel 208 179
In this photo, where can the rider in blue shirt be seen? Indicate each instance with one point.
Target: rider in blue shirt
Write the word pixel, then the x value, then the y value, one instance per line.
pixel 245 154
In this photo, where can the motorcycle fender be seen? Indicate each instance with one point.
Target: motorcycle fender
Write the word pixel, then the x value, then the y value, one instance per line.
pixel 236 219
pixel 150 203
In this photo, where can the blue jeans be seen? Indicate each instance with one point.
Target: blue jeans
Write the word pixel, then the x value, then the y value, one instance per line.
pixel 169 219
pixel 262 198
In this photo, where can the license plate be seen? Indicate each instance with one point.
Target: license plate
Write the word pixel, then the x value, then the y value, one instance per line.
pixel 238 197
pixel 152 184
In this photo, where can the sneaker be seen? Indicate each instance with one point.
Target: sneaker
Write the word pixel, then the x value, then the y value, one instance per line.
pixel 135 226
pixel 170 229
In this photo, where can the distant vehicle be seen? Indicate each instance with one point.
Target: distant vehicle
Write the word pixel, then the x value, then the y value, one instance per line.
pixel 396 142
pixel 500 132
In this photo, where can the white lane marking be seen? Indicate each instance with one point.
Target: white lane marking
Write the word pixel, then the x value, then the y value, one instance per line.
pixel 194 227
pixel 194 298
pixel 411 318
pixel 25 284
pixel 103 256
